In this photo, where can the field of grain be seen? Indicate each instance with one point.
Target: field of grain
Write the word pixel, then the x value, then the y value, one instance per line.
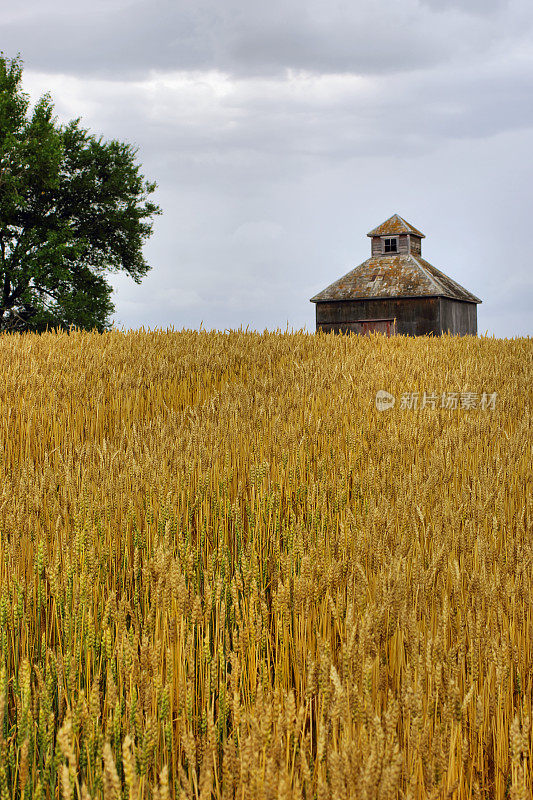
pixel 224 573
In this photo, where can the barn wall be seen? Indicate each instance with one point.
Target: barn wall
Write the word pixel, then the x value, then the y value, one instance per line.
pixel 458 317
pixel 403 244
pixel 376 246
pixel 415 245
pixel 414 316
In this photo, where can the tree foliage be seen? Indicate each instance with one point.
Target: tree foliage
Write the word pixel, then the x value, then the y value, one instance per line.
pixel 73 207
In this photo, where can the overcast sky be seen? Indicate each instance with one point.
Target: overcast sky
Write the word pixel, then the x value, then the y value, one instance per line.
pixel 281 131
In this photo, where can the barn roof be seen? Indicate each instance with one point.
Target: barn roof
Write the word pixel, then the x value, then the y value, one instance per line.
pixel 393 226
pixel 394 276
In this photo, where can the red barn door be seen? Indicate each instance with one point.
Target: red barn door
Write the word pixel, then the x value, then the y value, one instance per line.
pixel 386 326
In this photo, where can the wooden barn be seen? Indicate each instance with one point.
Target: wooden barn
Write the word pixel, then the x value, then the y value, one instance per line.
pixel 396 291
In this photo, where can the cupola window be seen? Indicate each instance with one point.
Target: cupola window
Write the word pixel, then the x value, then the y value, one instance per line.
pixel 391 245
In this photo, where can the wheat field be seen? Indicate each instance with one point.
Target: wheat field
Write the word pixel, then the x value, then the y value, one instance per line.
pixel 224 573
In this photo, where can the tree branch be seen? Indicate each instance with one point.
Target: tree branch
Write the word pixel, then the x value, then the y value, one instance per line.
pixel 44 291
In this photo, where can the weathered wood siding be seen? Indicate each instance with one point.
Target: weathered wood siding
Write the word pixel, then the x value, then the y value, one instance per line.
pixel 458 317
pixel 403 244
pixel 378 245
pixel 415 245
pixel 414 316
pixel 377 248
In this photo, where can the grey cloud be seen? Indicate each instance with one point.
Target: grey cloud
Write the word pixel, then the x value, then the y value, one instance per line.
pixel 251 123
pixel 130 39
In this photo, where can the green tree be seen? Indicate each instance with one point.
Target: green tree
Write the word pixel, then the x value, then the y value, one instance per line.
pixel 72 208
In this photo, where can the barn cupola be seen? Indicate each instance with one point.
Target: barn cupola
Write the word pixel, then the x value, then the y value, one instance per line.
pixel 395 236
